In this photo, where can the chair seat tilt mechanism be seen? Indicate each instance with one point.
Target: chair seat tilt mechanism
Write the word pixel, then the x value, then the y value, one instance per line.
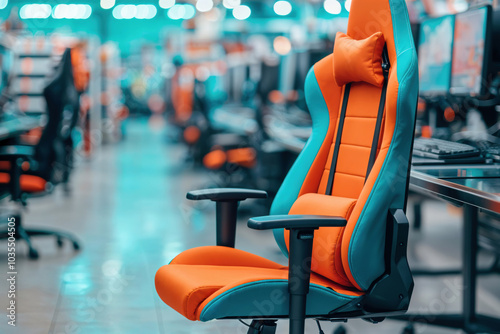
pixel 339 215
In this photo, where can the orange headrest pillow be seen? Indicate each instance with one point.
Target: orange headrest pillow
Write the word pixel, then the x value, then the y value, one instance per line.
pixel 361 60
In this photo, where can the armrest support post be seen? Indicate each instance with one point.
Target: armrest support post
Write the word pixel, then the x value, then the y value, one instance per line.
pixel 226 209
pixel 226 213
pixel 300 254
pixel 15 177
pixel 299 274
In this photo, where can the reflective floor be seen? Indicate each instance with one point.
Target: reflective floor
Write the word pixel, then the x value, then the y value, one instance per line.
pixel 128 208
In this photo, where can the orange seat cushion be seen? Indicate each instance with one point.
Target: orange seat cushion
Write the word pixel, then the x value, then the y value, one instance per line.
pixel 29 183
pixel 244 157
pixel 358 60
pixel 197 276
pixel 214 159
pixel 192 134
pixel 4 165
pixel 32 137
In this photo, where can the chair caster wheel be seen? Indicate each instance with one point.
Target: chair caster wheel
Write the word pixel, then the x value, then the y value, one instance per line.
pixel 409 329
pixel 59 242
pixel 33 254
pixel 76 245
pixel 340 330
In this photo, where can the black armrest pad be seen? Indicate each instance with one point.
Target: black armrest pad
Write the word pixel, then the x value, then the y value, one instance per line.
pixel 225 194
pixel 295 222
pixel 15 151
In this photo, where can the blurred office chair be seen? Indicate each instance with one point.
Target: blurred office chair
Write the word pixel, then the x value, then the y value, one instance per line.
pixel 339 214
pixel 188 107
pixel 35 170
pixel 196 131
pixel 239 158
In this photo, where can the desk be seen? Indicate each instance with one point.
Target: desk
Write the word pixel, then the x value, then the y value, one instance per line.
pixel 234 119
pixel 15 126
pixel 291 137
pixel 470 186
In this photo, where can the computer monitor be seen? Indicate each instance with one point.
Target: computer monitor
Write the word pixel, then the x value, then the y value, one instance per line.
pixel 471 53
pixel 229 84
pixel 301 68
pixel 495 31
pixel 236 76
pixel 434 55
pixel 303 62
pixel 269 79
pixel 6 59
pixel 318 54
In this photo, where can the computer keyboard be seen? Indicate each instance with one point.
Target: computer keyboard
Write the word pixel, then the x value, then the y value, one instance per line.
pixel 487 148
pixel 490 150
pixel 443 149
pixel 494 153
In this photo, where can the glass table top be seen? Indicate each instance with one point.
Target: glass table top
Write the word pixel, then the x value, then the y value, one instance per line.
pixel 478 185
pixel 460 171
pixel 489 185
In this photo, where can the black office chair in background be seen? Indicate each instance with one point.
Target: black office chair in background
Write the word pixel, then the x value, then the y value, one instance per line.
pixel 34 171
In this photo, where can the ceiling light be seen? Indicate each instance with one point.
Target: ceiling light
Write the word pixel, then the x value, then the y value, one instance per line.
pixel 35 11
pixel 166 3
pixel 204 5
pixel 282 45
pixel 242 12
pixel 332 6
pixel 231 4
pixel 347 5
pixel 181 11
pixel 282 7
pixel 73 11
pixel 107 4
pixel 145 12
pixel 134 12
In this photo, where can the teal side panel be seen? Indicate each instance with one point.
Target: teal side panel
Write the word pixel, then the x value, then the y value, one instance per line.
pixel 366 252
pixel 290 188
pixel 270 298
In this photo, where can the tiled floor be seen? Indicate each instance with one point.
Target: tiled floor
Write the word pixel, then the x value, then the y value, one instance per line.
pixel 128 208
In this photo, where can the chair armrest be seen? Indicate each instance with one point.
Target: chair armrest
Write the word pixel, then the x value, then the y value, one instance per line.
pixel 13 152
pixel 226 207
pixel 225 194
pixel 303 222
pixel 16 154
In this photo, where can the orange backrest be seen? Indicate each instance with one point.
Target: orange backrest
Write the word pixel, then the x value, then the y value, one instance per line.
pixel 81 73
pixel 182 94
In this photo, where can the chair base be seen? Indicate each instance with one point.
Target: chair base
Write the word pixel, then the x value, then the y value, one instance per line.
pixel 26 234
